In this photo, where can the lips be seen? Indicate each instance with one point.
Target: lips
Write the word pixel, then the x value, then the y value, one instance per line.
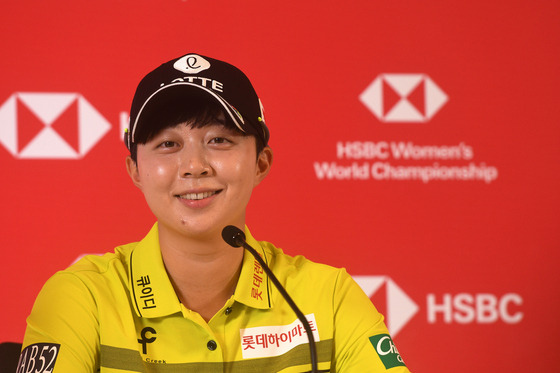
pixel 198 196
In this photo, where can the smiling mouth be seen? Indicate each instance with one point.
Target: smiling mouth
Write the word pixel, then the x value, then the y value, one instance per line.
pixel 198 196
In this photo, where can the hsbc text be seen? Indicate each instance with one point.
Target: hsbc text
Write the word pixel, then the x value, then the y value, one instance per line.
pixel 466 308
pixel 402 150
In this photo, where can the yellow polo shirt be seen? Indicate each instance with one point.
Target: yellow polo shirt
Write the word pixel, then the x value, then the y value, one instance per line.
pixel 119 313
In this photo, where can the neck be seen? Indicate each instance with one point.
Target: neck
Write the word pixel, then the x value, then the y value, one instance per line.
pixel 204 272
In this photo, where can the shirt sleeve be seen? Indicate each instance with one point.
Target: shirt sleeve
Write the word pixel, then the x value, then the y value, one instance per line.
pixel 361 340
pixel 62 329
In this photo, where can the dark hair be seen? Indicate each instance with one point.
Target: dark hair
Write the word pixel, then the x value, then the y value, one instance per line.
pixel 199 112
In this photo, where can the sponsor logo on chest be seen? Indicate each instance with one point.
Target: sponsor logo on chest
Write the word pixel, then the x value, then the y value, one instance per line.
pixel 275 340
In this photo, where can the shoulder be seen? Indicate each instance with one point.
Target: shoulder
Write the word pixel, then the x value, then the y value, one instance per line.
pixel 300 269
pixel 280 258
pixel 76 292
pixel 88 272
pixel 95 265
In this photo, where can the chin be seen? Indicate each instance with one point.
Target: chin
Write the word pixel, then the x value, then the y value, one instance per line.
pixel 193 229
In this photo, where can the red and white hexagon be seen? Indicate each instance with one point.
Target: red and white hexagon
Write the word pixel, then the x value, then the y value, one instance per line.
pixel 50 125
pixel 403 98
pixel 399 307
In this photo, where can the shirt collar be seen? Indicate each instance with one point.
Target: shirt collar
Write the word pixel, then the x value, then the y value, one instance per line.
pixel 154 296
pixel 152 292
pixel 253 287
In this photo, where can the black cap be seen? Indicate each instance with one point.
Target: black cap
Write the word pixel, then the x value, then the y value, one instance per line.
pixel 193 75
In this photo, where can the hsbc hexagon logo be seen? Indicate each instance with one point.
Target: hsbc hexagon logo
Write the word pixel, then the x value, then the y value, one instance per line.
pixel 403 98
pixel 50 125
pixel 399 308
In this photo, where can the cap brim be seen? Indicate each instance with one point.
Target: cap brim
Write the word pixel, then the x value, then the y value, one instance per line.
pixel 169 95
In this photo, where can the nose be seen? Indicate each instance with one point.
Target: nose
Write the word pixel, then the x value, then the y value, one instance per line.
pixel 194 163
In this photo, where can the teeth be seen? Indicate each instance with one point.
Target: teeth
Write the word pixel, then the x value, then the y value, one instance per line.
pixel 197 196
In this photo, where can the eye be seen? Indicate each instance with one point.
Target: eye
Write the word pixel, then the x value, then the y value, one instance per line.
pixel 219 140
pixel 167 144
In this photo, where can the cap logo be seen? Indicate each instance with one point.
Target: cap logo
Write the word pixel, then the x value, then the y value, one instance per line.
pixel 191 64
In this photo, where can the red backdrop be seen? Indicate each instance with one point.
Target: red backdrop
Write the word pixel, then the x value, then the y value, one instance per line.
pixel 416 144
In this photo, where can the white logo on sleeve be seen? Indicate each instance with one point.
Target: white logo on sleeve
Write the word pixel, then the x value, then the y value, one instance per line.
pixel 267 341
pixel 38 358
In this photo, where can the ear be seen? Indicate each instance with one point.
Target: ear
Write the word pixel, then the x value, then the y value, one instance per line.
pixel 264 163
pixel 132 169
